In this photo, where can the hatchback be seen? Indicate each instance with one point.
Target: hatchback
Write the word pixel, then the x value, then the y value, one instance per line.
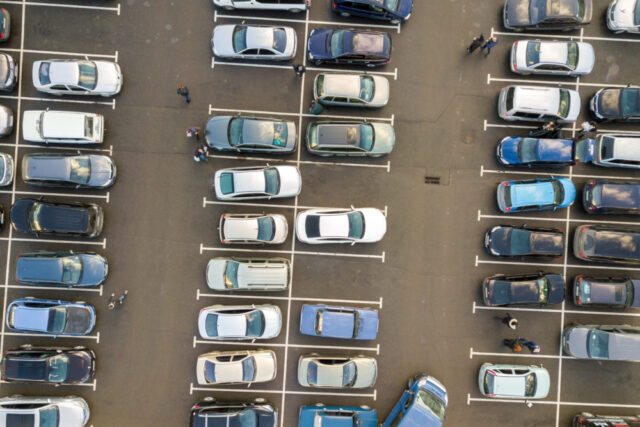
pixel 609 196
pixel 616 104
pixel 325 226
pixel 68 170
pixel 423 403
pixel 513 381
pixel 543 152
pixel 338 138
pixel 337 372
pixel 210 412
pixel 8 72
pixel 248 274
pixel 566 15
pixel 624 15
pixel 566 58
pixel 254 42
pixel 394 11
pixel 242 322
pixel 75 270
pixel 320 415
pixel 7 169
pixel 51 317
pixel 53 365
pixel 326 321
pixel 523 289
pixel 535 194
pixel 257 182
pixel 77 77
pixel 617 151
pixel 251 134
pixel 598 243
pixel 53 218
pixel 348 46
pixel 26 411
pixel 236 367
pixel 538 104
pixel 351 90
pixel 253 228
pixel 611 292
pixel 62 127
pixel 604 342
pixel 510 241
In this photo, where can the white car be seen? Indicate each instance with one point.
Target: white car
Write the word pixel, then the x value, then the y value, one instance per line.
pixel 566 58
pixel 337 372
pixel 43 411
pixel 362 225
pixel 253 228
pixel 288 5
pixel 236 367
pixel 248 274
pixel 539 104
pixel 351 90
pixel 513 381
pixel 624 15
pixel 254 42
pixel 6 169
pixel 77 77
pixel 68 127
pixel 239 322
pixel 257 182
pixel 6 120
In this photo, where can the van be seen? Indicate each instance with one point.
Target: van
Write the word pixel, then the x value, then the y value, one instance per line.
pixel 68 127
pixel 617 151
pixel 538 104
pixel 351 90
pixel 248 274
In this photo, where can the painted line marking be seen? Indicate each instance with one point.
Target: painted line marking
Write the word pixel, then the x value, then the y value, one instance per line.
pixel 276 113
pixel 571 220
pixel 526 172
pixel 255 296
pixel 89 337
pixel 572 129
pixel 34 193
pixel 275 251
pixel 256 391
pixel 536 264
pixel 552 310
pixel 268 205
pixel 71 101
pixel 550 82
pixel 67 242
pixel 60 53
pixel 558 36
pixel 551 402
pixel 283 345
pixel 51 147
pixel 70 6
pixel 303 21
pixel 386 166
pixel 57 288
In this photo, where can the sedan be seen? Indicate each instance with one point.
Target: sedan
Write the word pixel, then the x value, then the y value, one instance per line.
pixel 610 292
pixel 253 228
pixel 338 138
pixel 251 134
pixel 566 58
pixel 337 372
pixel 68 170
pixel 349 46
pixel 257 182
pixel 624 15
pixel 602 342
pixel 608 196
pixel 320 415
pixel 242 322
pixel 606 244
pixel 6 169
pixel 513 381
pixel 75 270
pixel 616 104
pixel 77 77
pixel 53 365
pixel 566 15
pixel 53 218
pixel 321 226
pixel 210 412
pixel 523 289
pixel 29 411
pixel 543 152
pixel 52 317
pixel 8 72
pixel 236 367
pixel 509 241
pixel 254 42
pixel 339 322
pixel 535 194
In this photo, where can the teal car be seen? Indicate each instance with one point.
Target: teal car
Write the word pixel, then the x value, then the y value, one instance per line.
pixel 535 194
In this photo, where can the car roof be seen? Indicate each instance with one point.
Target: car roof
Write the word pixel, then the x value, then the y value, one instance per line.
pixel 339 135
pixel 248 181
pixel 544 99
pixel 536 193
pixel 259 37
pixel 240 228
pixel 554 52
pixel 257 131
pixel 333 225
pixel 626 148
pixel 30 318
pixel 64 72
pixel 63 124
pixel 39 268
pixel 620 194
pixel 63 218
pixel 263 274
pixel 341 85
pixel 367 42
pixel 624 346
pixel 49 167
pixel 338 323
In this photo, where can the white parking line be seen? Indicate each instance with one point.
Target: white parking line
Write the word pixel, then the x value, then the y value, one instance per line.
pixel 550 265
pixel 33 193
pixel 67 242
pixel 63 5
pixel 285 392
pixel 522 355
pixel 558 36
pixel 550 402
pixel 275 251
pixel 272 160
pixel 60 53
pixel 112 103
pixel 550 82
pixel 547 174
pixel 375 349
pixel 487 125
pixel 51 147
pixel 276 298
pixel 571 220
pixel 88 337
pixel 553 310
pixel 57 288
pixel 322 116
pixel 206 202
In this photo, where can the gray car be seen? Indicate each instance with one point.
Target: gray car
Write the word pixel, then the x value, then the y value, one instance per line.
pixel 605 342
pixel 251 134
pixel 248 274
pixel 6 120
pixel 505 381
pixel 8 72
pixel 337 372
pixel 77 77
pixel 611 292
pixel 75 270
pixel 64 170
pixel 617 151
pixel 254 42
pixel 340 138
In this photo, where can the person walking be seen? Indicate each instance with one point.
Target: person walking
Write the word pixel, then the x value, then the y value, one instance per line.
pixel 551 130
pixel 184 91
pixel 299 69
pixel 588 127
pixel 116 302
pixel 489 44
pixel 532 346
pixel 315 108
pixel 194 131
pixel 201 154
pixel 513 344
pixel 476 43
pixel 509 321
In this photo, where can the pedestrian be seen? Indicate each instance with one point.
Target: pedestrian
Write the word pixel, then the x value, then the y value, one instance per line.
pixel 122 297
pixel 299 69
pixel 532 346
pixel 551 129
pixel 194 131
pixel 489 44
pixel 509 321
pixel 315 108
pixel 184 91
pixel 513 344
pixel 112 301
pixel 588 127
pixel 476 43
pixel 201 154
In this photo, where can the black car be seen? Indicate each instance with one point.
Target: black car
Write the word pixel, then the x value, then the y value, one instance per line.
pixel 55 365
pixel 607 244
pixel 209 413
pixel 390 10
pixel 524 289
pixel 613 292
pixel 53 218
pixel 78 270
pixel 349 46
pixel 608 196
pixel 586 419
pixel 616 104
pixel 510 241
pixel 519 15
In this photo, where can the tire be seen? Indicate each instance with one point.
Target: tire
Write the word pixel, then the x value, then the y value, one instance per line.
pixel 259 400
pixel 345 14
pixel 14 396
pixel 317 62
pixel 319 404
pixel 370 65
pixel 71 396
pixel 209 399
pixel 364 407
pixel 79 347
pixel 394 21
pixel 295 10
pixel 229 8
pixel 26 346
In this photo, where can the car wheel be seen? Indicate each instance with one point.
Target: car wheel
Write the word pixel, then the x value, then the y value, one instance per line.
pixel 410 382
pixel 364 407
pixel 260 400
pixel 375 156
pixel 71 396
pixel 317 62
pixel 395 21
pixel 295 10
pixel 320 404
pixel 313 354
pixel 587 414
pixel 26 346
pixel 14 396
pixel 345 14
pixel 209 399
pixel 229 8
pixel 80 302
pixel 79 347
pixel 371 65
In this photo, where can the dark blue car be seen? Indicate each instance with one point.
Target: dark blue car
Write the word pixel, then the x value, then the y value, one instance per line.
pixel 339 322
pixel 83 269
pixel 395 11
pixel 608 196
pixel 543 152
pixel 423 403
pixel 51 317
pixel 337 416
pixel 349 46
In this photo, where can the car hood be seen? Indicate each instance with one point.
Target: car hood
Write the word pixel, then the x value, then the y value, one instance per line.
pixel 543 382
pixel 222 40
pixel 367 371
pixel 405 8
pixel 577 342
pixel 318 44
pixel 215 273
pixel 587 58
pixel 624 12
pixel 6 120
pixel 499 240
pixel 109 78
pixel 569 191
pixel 508 149
pixel 265 367
pixel 94 269
pixel 272 321
pixel 80 367
pixel 517 13
pixel 607 103
pixel 282 228
pixel 290 181
pixel 368 328
pixel 381 93
pixel 216 131
pixel 574 107
pixel 19 213
pixel 30 119
pixel 80 320
pixel 102 170
pixel 71 415
pixel 385 138
pixel 375 225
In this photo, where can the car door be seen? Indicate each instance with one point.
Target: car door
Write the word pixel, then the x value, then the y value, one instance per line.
pixel 77 90
pixel 57 89
pixel 250 54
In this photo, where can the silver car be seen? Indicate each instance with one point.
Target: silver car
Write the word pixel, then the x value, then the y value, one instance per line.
pixel 6 120
pixel 288 5
pixel 566 58
pixel 257 182
pixel 604 342
pixel 8 72
pixel 351 90
pixel 254 42
pixel 236 367
pixel 617 151
pixel 77 77
pixel 253 228
pixel 622 16
pixel 513 381
pixel 44 411
pixel 337 372
pixel 6 169
pixel 240 322
pixel 68 170
pixel 248 274
pixel 251 134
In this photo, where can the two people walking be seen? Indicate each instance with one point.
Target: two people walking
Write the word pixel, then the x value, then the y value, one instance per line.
pixel 116 302
pixel 480 42
pixel 518 343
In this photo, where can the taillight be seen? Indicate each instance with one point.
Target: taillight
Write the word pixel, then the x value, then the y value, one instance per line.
pixel 581 254
pixel 506 184
pixel 2 35
pixel 592 183
pixel 591 208
pixel 196 406
pixel 334 4
pixel 507 209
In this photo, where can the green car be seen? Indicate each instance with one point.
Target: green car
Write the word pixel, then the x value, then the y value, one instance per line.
pixel 338 138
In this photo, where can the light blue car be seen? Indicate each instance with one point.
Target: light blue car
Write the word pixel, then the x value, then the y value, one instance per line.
pixel 535 194
pixel 337 416
pixel 423 404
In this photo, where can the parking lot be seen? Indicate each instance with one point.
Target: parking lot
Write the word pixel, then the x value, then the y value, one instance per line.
pixel 437 189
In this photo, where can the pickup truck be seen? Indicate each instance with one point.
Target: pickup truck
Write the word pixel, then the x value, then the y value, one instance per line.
pixel 288 5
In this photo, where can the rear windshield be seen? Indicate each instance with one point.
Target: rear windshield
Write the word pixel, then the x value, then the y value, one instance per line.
pixel 320 85
pixel 71 269
pixel 530 385
pixel 528 150
pixel 88 75
pixel 57 320
pixel 488 382
pixel 226 183
pixel 279 40
pixel 572 55
pixel 366 88
pixel 565 103
pixel 211 324
pixel 533 53
pixel 88 126
pixel 598 345
pixel 239 38
pixel 272 181
pixel 629 102
pixel 266 228
pixel 48 417
pixel 231 275
pixel 509 98
pixel 337 43
pixel 234 133
pixel 280 134
pixel 80 172
pixel 606 149
pixel 44 73
pixel 636 14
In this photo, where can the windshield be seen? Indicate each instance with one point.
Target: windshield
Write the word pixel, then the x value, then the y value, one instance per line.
pixel 488 382
pixel 598 345
pixel 636 15
pixel 226 183
pixel 629 100
pixel 280 134
pixel 58 367
pixel 239 38
pixel 235 131
pixel 432 403
pixel 80 169
pixel 255 324
pixel 558 192
pixel 279 39
pixel 391 4
pixel 211 324
pixel 49 417
pixel 57 320
pixel 246 418
pixel 271 181
pixel 87 75
pixel 71 269
pixel 530 385
pixel 88 127
pixel 266 229
pixel 337 43
pixel 543 290
pixel 366 88
pixel 349 374
pixel 563 107
pixel 248 369
pixel 44 73
pixel 572 55
pixel 533 53
pixel 366 137
pixel 356 225
pixel 528 150
pixel 231 275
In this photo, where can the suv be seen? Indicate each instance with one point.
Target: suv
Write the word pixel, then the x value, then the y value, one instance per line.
pixel 248 274
pixel 349 90
pixel 62 127
pixel 76 270
pixel 341 138
pixel 51 317
pixel 6 169
pixel 513 381
pixel 68 170
pixel 617 151
pixel 604 342
pixel 585 419
pixel 565 15
pixel 599 243
pixel 26 411
pixel 538 104
pixel 53 218
pixel 348 46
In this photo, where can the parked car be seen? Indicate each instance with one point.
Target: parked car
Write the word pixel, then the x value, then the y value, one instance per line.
pixel 624 16
pixel 30 411
pixel 8 72
pixel 240 322
pixel 236 367
pixel 53 365
pixel 259 42
pixel 337 372
pixel 7 169
pixel 1 217
pixel 393 11
pixel 75 270
pixel 586 419
pixel 617 151
pixel 604 342
pixel 62 127
pixel 6 120
pixel 510 241
pixel 68 170
pixel 597 243
pixel 523 289
pixel 513 381
pixel 257 182
pixel 319 415
pixel 51 317
pixel 341 138
pixel 351 90
pixel 539 104
pixel 288 5
pixel 77 77
pixel 210 412
pixel 251 134
pixel 535 194
pixel 339 322
pixel 248 274
pixel 423 403
pixel 348 46
pixel 53 218
pixel 616 104
pixel 253 228
pixel 543 152
pixel 607 196
pixel 610 292
pixel 566 15
pixel 320 226
pixel 5 25
pixel 559 58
